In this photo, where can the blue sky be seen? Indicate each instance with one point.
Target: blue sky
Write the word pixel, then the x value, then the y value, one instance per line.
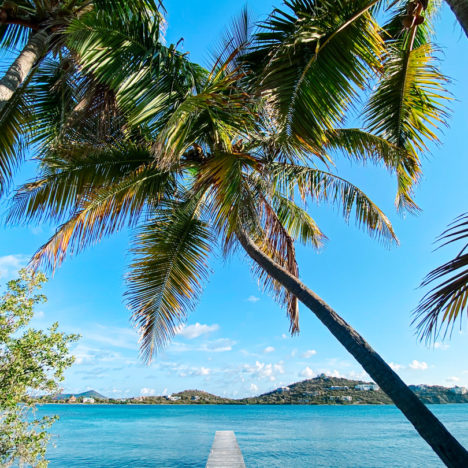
pixel 236 343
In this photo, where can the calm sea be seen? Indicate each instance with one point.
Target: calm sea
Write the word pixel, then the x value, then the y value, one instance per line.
pixel 269 436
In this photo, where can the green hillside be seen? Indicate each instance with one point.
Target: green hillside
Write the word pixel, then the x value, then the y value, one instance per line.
pixel 322 390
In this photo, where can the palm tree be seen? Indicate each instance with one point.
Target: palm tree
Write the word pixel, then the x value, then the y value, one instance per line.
pixel 446 302
pixel 460 9
pixel 222 155
pixel 38 30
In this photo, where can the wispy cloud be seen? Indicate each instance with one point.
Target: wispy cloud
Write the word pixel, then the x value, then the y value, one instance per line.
pixel 194 331
pixel 147 391
pixel 453 379
pixel 269 349
pixel 419 365
pixel 395 366
pixel 309 353
pixel 11 264
pixel 220 345
pixel 307 372
pixel 441 346
pixel 262 370
pixel 253 388
pixel 253 299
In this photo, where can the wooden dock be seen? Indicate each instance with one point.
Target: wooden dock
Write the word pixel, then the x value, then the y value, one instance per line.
pixel 225 452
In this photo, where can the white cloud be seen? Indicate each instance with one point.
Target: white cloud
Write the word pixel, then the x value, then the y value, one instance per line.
pixel 10 264
pixel 395 366
pixel 204 371
pixel 441 346
pixel 194 331
pixel 262 370
pixel 269 349
pixel 308 373
pixel 253 388
pixel 253 299
pixel 215 346
pixel 419 365
pixel 147 391
pixel 284 336
pixel 293 353
pixel 85 355
pixel 453 379
pixel 118 337
pixel 39 314
pixel 309 353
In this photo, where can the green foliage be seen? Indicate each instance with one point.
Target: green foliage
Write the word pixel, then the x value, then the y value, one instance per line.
pixel 168 272
pixel 133 134
pixel 446 302
pixel 31 361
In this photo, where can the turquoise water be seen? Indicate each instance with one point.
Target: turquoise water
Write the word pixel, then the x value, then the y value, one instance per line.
pixel 269 436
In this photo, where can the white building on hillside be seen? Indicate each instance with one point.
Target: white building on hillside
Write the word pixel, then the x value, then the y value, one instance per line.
pixel 367 387
pixel 88 400
pixel 459 390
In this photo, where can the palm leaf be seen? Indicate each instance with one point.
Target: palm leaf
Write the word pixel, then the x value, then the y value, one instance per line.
pixel 71 174
pixel 104 211
pixel 14 122
pixel 324 186
pixel 446 302
pixel 167 274
pixel 409 103
pixel 312 60
pixel 364 146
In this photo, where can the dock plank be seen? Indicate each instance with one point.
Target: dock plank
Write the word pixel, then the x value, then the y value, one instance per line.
pixel 225 452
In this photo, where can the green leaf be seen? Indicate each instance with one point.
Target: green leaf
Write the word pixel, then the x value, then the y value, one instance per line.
pixel 168 272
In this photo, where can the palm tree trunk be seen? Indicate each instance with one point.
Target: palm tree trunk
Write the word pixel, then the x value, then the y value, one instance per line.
pixel 429 427
pixel 22 66
pixel 460 9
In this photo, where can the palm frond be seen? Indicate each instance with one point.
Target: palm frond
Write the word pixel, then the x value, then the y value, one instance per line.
pixel 127 55
pixel 168 272
pixel 212 118
pixel 364 146
pixel 444 304
pixel 324 186
pixel 104 211
pixel 71 174
pixel 409 103
pixel 312 59
pixel 15 119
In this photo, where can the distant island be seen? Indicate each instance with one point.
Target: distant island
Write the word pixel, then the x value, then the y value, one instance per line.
pixel 322 390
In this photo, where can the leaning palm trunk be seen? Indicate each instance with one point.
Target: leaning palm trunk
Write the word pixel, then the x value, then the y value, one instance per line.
pixel 22 66
pixel 429 427
pixel 460 9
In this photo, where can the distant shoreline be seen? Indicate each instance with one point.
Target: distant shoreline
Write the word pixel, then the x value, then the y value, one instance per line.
pixel 235 404
pixel 320 391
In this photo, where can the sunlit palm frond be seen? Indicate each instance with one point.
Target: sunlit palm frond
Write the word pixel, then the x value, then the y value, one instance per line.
pixel 222 180
pixel 14 121
pixel 168 272
pixel 69 175
pixel 324 186
pixel 298 223
pixel 127 55
pixel 364 146
pixel 446 303
pixel 235 42
pixel 212 118
pixel 409 104
pixel 312 60
pixel 104 211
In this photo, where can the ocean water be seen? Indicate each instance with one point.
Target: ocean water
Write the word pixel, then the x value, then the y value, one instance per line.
pixel 269 436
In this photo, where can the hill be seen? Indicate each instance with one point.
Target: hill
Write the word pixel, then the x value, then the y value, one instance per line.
pixel 321 390
pixel 88 394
